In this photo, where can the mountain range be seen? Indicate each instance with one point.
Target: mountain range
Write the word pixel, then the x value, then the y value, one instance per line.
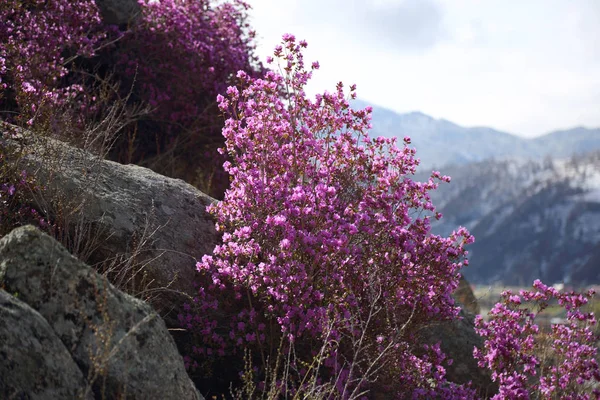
pixel 533 205
pixel 440 142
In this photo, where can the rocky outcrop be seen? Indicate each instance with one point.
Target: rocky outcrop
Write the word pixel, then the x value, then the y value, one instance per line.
pixel 118 12
pixel 34 363
pixel 117 342
pixel 457 340
pixel 147 229
pixel 465 296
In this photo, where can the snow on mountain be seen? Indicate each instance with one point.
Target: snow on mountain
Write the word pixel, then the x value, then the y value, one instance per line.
pixel 531 219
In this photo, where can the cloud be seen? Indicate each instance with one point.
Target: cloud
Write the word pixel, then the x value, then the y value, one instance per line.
pixel 400 25
pixel 411 24
pixel 526 67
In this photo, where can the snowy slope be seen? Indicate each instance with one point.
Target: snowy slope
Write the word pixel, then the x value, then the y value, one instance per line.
pixel 531 219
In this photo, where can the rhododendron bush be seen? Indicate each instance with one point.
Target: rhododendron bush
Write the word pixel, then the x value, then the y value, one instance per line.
pixel 527 366
pixel 182 53
pixel 327 235
pixel 38 41
pixel 176 57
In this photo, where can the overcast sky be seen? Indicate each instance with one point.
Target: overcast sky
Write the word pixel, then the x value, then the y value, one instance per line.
pixel 522 66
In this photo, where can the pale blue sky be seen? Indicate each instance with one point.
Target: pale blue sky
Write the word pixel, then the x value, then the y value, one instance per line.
pixel 522 66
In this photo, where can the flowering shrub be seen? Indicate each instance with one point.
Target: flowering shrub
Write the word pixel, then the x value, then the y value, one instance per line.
pixel 184 52
pixel 517 358
pixel 179 56
pixel 324 233
pixel 38 41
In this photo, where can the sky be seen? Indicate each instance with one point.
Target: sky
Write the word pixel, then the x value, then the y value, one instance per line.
pixel 526 67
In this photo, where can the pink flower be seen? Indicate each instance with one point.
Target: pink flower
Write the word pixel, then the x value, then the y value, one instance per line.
pixel 28 87
pixel 322 199
pixel 511 346
pixel 285 244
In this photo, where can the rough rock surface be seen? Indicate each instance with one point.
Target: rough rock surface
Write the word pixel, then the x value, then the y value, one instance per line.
pixel 118 12
pixel 117 341
pixel 155 227
pixel 457 339
pixel 465 296
pixel 34 363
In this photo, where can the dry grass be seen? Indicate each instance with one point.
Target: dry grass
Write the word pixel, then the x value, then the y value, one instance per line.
pixel 45 141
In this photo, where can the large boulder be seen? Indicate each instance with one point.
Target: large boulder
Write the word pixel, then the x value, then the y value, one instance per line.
pixel 119 342
pixel 34 363
pixel 147 229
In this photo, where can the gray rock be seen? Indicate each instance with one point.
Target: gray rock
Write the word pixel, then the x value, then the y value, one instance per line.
pixel 457 340
pixel 152 228
pixel 118 341
pixel 465 296
pixel 117 12
pixel 34 363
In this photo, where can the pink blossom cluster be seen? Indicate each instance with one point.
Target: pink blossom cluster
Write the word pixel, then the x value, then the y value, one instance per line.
pixel 38 39
pixel 520 363
pixel 322 225
pixel 431 366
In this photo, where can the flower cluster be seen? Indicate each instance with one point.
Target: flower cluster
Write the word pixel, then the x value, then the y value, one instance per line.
pixel 525 365
pixel 323 229
pixel 38 41
pixel 178 56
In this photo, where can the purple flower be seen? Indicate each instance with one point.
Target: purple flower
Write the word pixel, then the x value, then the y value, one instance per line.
pixel 513 343
pixel 322 199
